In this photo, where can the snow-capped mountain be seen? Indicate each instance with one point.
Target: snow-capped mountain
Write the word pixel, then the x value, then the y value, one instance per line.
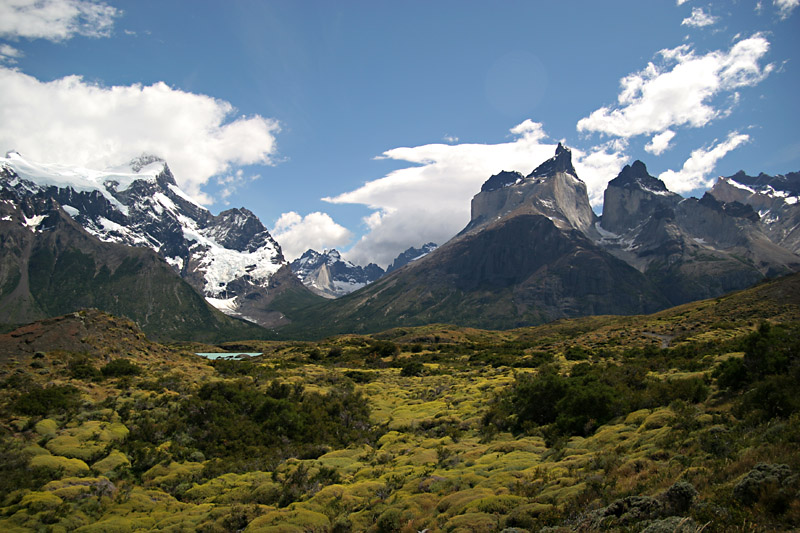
pixel 774 198
pixel 328 275
pixel 230 258
pixel 410 255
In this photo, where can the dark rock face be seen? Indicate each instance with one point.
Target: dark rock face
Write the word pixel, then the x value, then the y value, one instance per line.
pixel 561 162
pixel 412 254
pixel 503 179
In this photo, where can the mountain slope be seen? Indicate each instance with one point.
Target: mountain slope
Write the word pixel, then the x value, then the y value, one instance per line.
pixel 774 198
pixel 534 251
pixel 50 266
pixel 229 258
pixel 689 248
pixel 525 258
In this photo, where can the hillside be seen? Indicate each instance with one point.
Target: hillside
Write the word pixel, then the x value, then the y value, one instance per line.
pixel 684 420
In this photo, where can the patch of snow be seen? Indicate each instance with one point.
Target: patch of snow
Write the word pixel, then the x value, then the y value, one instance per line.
pixel 71 211
pixel 176 262
pixel 226 305
pixel 183 195
pixel 791 200
pixel 741 186
pixel 6 218
pixel 699 240
pixel 34 222
pixel 82 179
pixel 605 233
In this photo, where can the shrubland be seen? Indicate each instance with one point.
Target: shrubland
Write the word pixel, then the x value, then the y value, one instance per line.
pixel 686 420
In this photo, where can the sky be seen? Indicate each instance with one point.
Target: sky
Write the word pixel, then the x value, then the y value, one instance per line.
pixel 368 126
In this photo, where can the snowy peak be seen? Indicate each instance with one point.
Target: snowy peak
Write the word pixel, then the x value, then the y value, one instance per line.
pixel 327 274
pixel 230 258
pixel 561 162
pixel 775 199
pixel 412 254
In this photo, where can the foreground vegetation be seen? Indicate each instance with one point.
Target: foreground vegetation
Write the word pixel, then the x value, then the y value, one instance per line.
pixel 687 420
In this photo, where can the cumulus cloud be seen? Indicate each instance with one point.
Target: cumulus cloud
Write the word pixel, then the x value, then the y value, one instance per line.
pixel 318 231
pixel 681 90
pixel 71 121
pixel 430 199
pixel 230 183
pixel 785 7
pixel 56 20
pixel 660 142
pixel 695 172
pixel 9 54
pixel 599 165
pixel 681 2
pixel 699 19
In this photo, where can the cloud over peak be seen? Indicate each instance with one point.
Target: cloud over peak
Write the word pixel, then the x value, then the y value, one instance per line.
pixel 71 121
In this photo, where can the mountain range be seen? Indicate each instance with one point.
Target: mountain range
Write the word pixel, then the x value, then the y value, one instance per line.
pixel 533 251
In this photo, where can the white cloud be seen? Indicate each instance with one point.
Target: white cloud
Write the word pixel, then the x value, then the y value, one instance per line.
pixel 450 138
pixel 681 2
pixel 785 7
pixel 680 91
pixel 230 183
pixel 317 231
pixel 660 142
pixel 699 19
pixel 9 54
pixel 430 200
pixel 696 169
pixel 71 121
pixel 598 166
pixel 56 20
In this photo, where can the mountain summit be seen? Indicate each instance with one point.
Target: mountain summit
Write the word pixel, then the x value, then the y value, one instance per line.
pixel 229 258
pixel 552 190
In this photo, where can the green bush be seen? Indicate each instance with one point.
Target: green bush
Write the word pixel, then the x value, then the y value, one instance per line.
pixel 412 368
pixel 42 401
pixel 120 367
pixel 82 367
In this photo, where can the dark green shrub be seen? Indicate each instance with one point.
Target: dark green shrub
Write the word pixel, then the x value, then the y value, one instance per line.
pixel 412 368
pixel 120 367
pixel 82 367
pixel 42 401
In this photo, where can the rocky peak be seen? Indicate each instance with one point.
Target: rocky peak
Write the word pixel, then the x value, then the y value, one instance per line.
pixel 633 197
pixel 138 163
pixel 732 209
pixel 636 175
pixel 561 162
pixel 328 275
pixel 412 254
pixel 503 179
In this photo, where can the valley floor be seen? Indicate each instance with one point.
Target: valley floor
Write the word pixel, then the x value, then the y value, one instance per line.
pixel 586 425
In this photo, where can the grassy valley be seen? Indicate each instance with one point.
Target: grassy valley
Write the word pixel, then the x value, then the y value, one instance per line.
pixel 684 420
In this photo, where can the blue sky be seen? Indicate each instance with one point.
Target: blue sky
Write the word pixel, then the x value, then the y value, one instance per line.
pixel 368 126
